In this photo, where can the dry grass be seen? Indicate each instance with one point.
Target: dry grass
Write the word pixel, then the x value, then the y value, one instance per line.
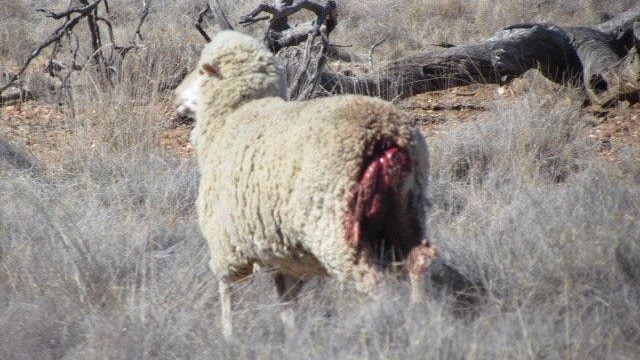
pixel 101 257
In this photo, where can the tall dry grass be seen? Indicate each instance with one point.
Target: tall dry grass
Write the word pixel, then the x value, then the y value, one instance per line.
pixel 101 257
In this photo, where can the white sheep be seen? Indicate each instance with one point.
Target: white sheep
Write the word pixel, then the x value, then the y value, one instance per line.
pixel 333 186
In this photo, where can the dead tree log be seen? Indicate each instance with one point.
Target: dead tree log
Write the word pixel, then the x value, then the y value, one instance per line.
pixel 508 54
pixel 602 58
pixel 15 95
pixel 609 55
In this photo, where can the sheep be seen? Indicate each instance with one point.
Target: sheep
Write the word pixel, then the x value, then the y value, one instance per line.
pixel 327 187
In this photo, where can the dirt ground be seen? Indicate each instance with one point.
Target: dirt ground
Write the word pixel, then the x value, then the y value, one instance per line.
pixel 440 111
pixel 45 130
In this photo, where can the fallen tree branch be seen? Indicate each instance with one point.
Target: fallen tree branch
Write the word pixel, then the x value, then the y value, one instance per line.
pixel 306 79
pixel 16 94
pixel 602 58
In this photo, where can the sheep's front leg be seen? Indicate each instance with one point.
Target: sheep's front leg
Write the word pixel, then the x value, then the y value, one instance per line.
pixel 417 263
pixel 288 289
pixel 224 288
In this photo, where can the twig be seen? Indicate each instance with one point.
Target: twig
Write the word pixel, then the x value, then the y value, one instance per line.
pixel 248 22
pixel 216 10
pixel 250 18
pixel 109 27
pixel 143 16
pixel 373 47
pixel 65 80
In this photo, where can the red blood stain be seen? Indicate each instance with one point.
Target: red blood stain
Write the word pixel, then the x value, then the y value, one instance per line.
pixel 383 172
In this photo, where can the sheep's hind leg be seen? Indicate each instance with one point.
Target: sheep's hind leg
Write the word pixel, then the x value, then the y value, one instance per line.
pixel 288 289
pixel 417 263
pixel 224 288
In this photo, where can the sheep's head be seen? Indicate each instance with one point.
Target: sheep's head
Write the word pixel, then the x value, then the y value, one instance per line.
pixel 186 95
pixel 235 68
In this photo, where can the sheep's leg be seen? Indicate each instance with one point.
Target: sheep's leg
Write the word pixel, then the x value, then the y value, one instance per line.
pixel 224 288
pixel 417 263
pixel 416 281
pixel 288 289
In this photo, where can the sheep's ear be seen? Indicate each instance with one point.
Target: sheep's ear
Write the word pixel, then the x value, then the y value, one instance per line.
pixel 212 69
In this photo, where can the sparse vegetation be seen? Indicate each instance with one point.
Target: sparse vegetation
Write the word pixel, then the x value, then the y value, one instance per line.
pixel 101 257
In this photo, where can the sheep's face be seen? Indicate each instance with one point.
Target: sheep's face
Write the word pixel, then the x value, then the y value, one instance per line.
pixel 187 95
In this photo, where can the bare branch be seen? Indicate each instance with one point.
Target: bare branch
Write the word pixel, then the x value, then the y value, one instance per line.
pixel 143 16
pixel 109 27
pixel 199 23
pixel 246 21
pixel 82 11
pixel 372 49
pixel 213 7
pixel 279 33
pixel 250 18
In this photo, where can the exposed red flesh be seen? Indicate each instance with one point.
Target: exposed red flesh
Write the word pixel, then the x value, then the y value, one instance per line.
pixel 385 171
